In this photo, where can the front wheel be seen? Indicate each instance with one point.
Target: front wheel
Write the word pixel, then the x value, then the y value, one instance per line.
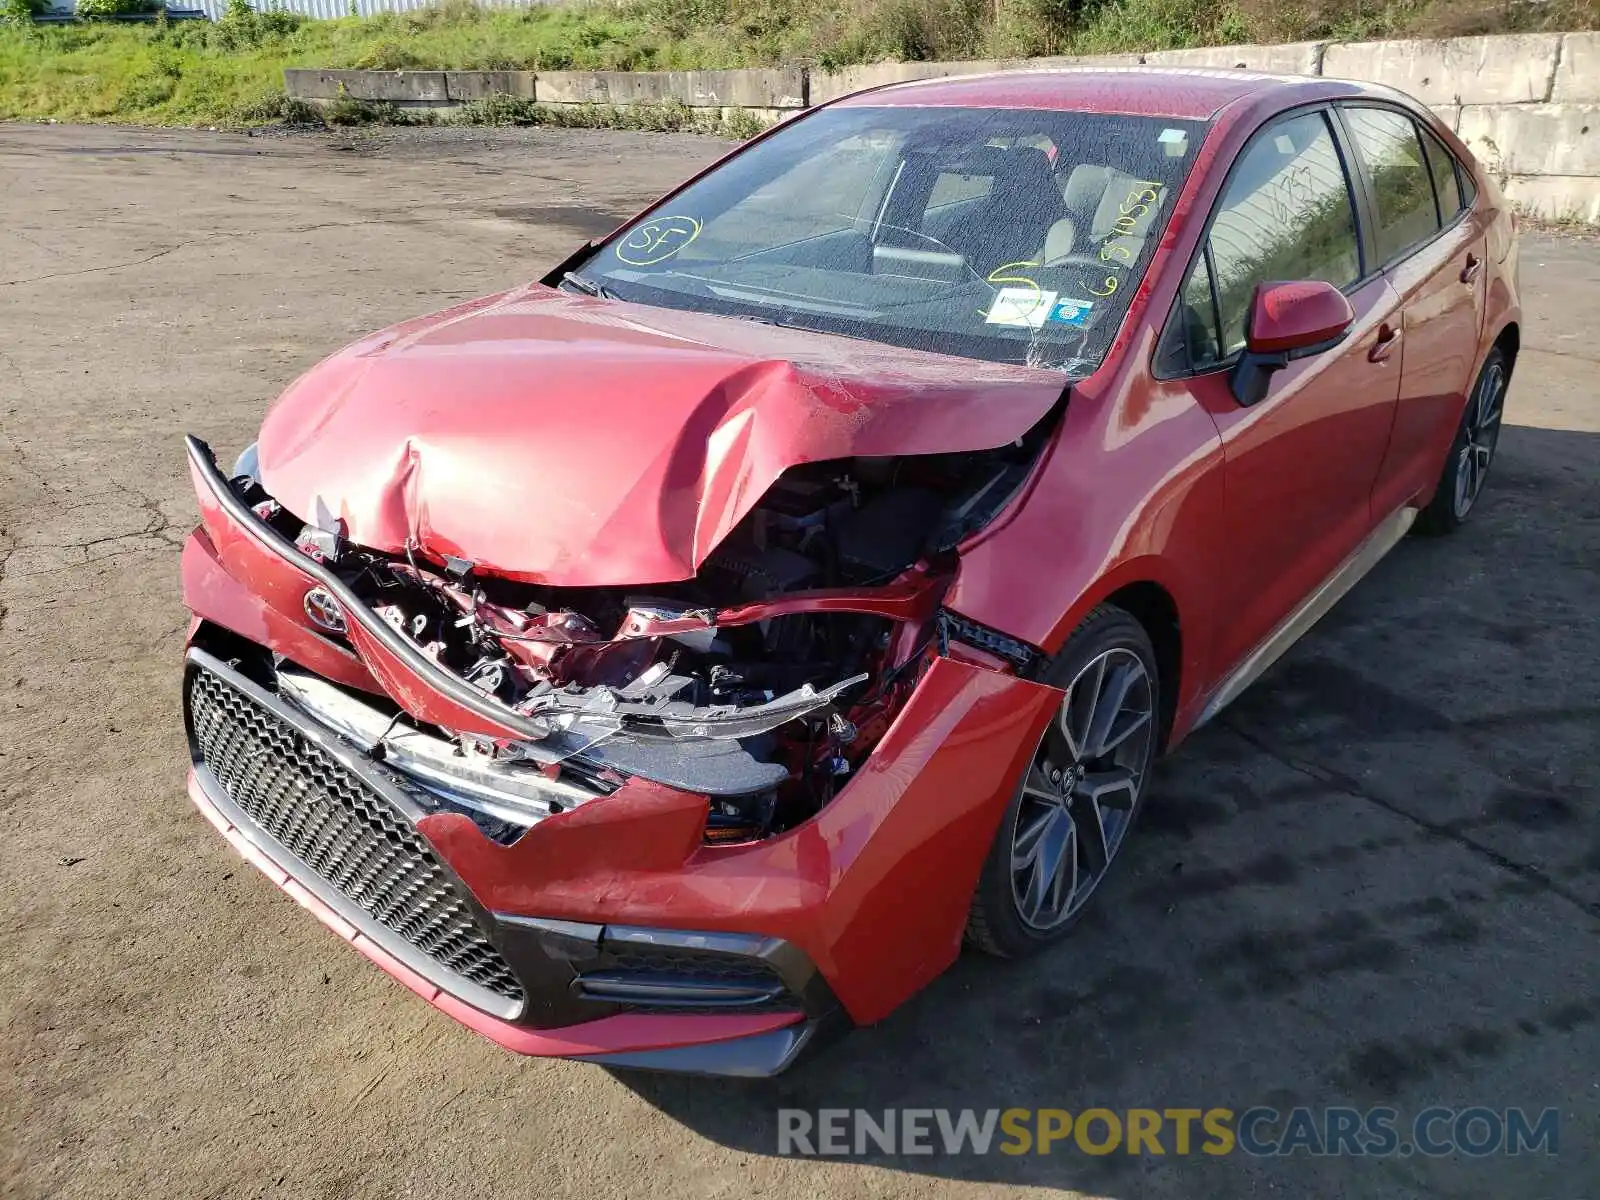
pixel 1471 452
pixel 1076 802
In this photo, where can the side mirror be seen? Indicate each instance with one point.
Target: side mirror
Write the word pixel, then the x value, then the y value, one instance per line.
pixel 1288 321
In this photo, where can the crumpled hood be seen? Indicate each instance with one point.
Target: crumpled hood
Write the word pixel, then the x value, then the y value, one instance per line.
pixel 570 441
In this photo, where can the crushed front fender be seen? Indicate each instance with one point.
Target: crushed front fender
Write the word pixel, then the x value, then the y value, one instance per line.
pixel 875 887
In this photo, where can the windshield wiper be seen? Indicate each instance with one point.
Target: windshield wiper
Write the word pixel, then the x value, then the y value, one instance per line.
pixel 787 323
pixel 588 286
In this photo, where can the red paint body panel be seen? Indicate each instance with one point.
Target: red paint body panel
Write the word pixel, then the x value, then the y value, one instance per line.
pixel 1131 475
pixel 1440 355
pixel 1132 91
pixel 1292 316
pixel 529 479
pixel 231 579
pixel 209 591
pixel 1307 455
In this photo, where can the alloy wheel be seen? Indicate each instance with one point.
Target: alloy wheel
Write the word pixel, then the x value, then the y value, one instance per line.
pixel 1481 429
pixel 1081 789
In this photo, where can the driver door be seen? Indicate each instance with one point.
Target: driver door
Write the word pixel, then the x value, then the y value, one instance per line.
pixel 1301 464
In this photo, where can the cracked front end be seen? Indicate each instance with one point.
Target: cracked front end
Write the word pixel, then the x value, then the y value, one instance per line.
pixel 685 826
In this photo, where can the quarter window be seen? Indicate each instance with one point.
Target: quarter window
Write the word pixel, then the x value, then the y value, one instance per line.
pixel 1402 186
pixel 1199 317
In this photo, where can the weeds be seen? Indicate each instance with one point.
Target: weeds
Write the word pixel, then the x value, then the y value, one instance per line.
pixel 497 110
pixel 89 9
pixel 184 72
pixel 21 12
pixel 276 110
pixel 669 116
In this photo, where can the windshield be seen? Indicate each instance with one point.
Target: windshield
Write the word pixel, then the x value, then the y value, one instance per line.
pixel 1010 235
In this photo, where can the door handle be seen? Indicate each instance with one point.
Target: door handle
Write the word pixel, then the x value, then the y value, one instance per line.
pixel 1388 339
pixel 1469 273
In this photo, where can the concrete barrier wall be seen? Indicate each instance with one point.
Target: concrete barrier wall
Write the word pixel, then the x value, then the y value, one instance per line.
pixel 1527 104
pixel 778 88
pixel 1480 70
pixel 391 87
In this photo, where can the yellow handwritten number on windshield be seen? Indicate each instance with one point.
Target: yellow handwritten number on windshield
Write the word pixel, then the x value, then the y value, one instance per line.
pixel 996 276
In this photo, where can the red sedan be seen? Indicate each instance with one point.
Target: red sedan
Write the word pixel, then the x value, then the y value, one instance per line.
pixel 677 659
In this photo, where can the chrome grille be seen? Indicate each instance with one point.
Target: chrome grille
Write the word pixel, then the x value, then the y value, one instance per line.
pixel 341 829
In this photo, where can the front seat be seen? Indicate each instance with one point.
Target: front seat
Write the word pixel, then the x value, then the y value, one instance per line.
pixel 1094 198
pixel 1023 205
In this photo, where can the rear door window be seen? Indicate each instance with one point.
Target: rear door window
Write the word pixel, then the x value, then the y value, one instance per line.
pixel 1402 183
pixel 1446 185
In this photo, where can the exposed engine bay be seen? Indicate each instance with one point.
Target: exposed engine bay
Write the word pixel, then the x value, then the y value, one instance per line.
pixel 763 682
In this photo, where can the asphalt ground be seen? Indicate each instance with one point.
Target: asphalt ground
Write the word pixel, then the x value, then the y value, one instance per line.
pixel 1374 882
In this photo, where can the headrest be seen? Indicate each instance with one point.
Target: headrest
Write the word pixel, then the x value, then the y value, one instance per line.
pixel 1086 187
pixel 1025 167
pixel 1119 187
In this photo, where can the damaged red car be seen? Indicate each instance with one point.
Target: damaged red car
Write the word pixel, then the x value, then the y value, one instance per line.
pixel 674 661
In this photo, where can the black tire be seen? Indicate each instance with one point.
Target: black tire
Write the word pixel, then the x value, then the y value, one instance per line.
pixel 996 923
pixel 1471 450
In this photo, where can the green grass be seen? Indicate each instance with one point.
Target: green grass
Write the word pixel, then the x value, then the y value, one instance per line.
pixel 231 72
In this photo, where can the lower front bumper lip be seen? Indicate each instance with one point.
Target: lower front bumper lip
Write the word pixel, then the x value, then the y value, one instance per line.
pixel 757 1055
pixel 719 1044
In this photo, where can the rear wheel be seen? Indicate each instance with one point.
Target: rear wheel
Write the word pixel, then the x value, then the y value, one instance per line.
pixel 1472 451
pixel 1078 799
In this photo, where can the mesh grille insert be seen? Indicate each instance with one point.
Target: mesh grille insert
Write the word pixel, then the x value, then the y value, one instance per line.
pixel 349 835
pixel 688 961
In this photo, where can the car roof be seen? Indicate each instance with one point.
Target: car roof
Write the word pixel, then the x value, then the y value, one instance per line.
pixel 1178 93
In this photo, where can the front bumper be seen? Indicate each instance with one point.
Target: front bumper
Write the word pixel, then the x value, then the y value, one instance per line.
pixel 852 912
pixel 731 1044
pixel 337 833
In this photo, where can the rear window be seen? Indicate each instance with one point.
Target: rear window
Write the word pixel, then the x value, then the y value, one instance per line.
pixel 1402 185
pixel 1009 235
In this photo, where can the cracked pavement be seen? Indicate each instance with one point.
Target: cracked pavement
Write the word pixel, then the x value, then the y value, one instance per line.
pixel 1376 880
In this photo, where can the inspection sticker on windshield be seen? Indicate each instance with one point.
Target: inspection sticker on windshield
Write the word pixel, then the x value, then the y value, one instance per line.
pixel 1028 307
pixel 1072 312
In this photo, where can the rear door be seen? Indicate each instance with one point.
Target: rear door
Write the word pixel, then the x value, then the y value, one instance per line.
pixel 1432 249
pixel 1300 465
